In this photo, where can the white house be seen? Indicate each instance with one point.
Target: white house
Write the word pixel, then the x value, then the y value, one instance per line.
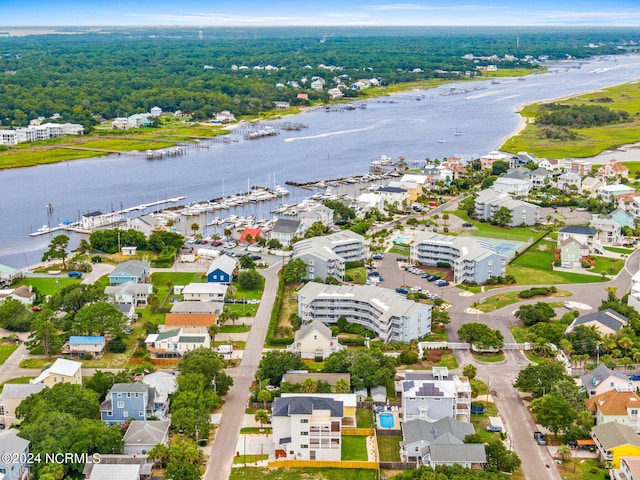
pixel 516 184
pixel 634 295
pixel 567 179
pixel 155 111
pixel 129 293
pixel 609 192
pixel 314 340
pixel 602 380
pixel 205 292
pixel 174 343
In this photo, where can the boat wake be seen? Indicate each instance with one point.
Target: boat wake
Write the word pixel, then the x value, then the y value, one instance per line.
pixel 340 132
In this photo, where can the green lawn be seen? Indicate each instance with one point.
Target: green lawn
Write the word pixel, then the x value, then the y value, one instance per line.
pixel 483 229
pixel 256 430
pixel 389 447
pixel 19 380
pixel 251 473
pixel 608 265
pixel 160 279
pixel 582 469
pixel 354 448
pixel 48 286
pixel 519 333
pixel 496 302
pixel 364 418
pixel 356 275
pixel 448 360
pixel 6 351
pixel 489 357
pixel 234 328
pixel 249 458
pixel 479 422
pixel 624 251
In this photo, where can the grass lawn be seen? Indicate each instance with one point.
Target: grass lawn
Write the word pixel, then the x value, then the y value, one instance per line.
pixel 483 229
pixel 479 422
pixel 6 351
pixel 364 418
pixel 356 275
pixel 354 448
pixel 438 334
pixel 448 360
pixel 624 251
pixel 256 430
pixel 160 279
pixel 608 265
pixel 36 362
pixel 48 286
pixel 489 357
pixel 496 302
pixel 582 469
pixel 249 458
pixel 250 473
pixel 389 448
pixel 234 328
pixel 404 252
pixel 19 380
pixel 519 333
pixel 314 366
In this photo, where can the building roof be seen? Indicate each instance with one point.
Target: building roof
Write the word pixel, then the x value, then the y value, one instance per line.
pixel 609 318
pixel 11 443
pixel 284 225
pixel 129 387
pixel 197 307
pixel 224 263
pixel 599 375
pixel 61 366
pixel 104 471
pixel 540 171
pixel 21 390
pixel 149 432
pixel 23 291
pixel 86 340
pixel 168 334
pixel 133 268
pixel 164 384
pixel 299 405
pixel 578 229
pixel 614 434
pixel 633 465
pixel 205 288
pixel 189 319
pixel 129 288
pixel 416 430
pixel 613 402
pixel 460 453
pixel 392 190
pixel 317 325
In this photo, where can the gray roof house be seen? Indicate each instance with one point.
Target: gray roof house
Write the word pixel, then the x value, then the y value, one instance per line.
pixel 284 230
pixel 379 394
pixel 130 271
pixel 12 395
pixel 440 443
pixel 314 340
pixel 164 385
pixel 13 456
pixel 142 436
pixel 196 306
pixel 129 292
pixel 540 177
pixel 488 202
pixel 605 321
pixel 120 467
pixel 602 379
pixel 514 183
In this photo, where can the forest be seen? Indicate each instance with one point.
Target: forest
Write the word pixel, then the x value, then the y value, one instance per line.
pixel 88 77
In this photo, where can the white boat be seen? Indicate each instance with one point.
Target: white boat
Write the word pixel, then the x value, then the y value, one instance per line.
pixel 441 140
pixel 457 133
pixel 280 191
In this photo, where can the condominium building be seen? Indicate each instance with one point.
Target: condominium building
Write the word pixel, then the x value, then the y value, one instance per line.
pixel 488 202
pixel 390 316
pixel 472 260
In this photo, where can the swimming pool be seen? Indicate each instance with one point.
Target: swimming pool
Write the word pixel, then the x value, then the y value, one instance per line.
pixel 386 420
pixel 404 240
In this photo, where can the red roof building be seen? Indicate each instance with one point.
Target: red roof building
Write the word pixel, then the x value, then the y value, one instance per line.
pixel 253 234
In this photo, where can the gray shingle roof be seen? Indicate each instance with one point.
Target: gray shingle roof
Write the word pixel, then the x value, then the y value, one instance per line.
pixel 285 406
pixel 416 430
pixel 579 229
pixel 468 452
pixel 134 268
pixel 607 317
pixel 147 432
pixel 597 376
pixel 614 434
pixel 284 225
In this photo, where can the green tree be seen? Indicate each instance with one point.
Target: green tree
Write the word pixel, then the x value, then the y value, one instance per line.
pixel 57 250
pixel 275 364
pixel 481 336
pixel 209 364
pixel 499 167
pixel 44 334
pixel 195 227
pixel 342 386
pixel 539 379
pixel 99 317
pixel 213 330
pixel 309 385
pixel 62 397
pixel 264 396
pixel 501 459
pixel 274 244
pixel 584 339
pixel 470 371
pixel 532 314
pixel 262 416
pixel 160 240
pixel 294 271
pixel 246 262
pixel 503 216
pixel 250 280
pixel 15 316
pixel 101 382
pixel 554 413
pixel 368 368
pixel 564 452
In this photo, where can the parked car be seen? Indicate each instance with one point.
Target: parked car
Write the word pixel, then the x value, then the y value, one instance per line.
pixel 635 377
pixel 442 283
pixel 377 256
pixel 401 290
pixel 572 444
pixel 256 257
pixel 467 225
pixel 494 428
pixel 75 274
pixel 216 243
pixel 539 437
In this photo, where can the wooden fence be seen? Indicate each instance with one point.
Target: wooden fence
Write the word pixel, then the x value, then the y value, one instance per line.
pixel 397 465
pixel 357 432
pixel 322 464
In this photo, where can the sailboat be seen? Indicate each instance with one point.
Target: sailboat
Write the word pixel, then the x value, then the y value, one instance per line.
pixel 49 208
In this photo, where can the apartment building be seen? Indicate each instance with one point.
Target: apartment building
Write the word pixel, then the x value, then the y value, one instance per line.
pixel 488 202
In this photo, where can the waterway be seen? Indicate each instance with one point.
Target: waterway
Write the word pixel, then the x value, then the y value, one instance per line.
pixel 418 125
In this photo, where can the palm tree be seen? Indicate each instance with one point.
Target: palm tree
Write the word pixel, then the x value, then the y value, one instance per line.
pixel 223 317
pixel 195 227
pixel 264 396
pixel 436 217
pixel 262 416
pixel 213 331
pixel 227 232
pixel 445 217
pixel 233 316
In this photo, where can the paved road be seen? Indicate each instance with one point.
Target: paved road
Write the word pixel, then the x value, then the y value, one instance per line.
pixel 223 449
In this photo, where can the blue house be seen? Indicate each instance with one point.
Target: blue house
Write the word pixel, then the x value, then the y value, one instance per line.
pixel 132 271
pixel 221 270
pixel 622 218
pixel 128 400
pixel 14 454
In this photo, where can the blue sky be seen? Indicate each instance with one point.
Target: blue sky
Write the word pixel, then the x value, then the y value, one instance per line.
pixel 210 13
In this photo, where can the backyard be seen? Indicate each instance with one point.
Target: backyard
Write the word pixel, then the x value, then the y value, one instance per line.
pixel 389 447
pixel 354 448
pixel 250 473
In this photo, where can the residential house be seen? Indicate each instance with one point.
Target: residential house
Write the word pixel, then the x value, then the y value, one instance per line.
pixel 418 436
pixel 14 456
pixel 142 436
pixel 621 405
pixel 379 394
pixel 387 314
pixel 585 236
pixel 307 428
pixel 471 259
pixel 348 400
pixel 629 469
pixel 189 322
pixel 571 252
pixel 612 170
pixel 605 321
pixel 175 343
pixel 413 190
pixel 523 158
pixel 334 93
pixel 602 380
pixel 488 202
pixel 591 185
pixel 488 160
pixel 317 83
pixel 436 174
pixel 129 251
pixel 12 396
pixel 205 292
pixel 225 116
pixel 634 295
pixel 164 384
pixel 197 307
pixel 615 440
pixel 609 231
pixel 120 123
pixel 318 213
pixel 540 178
pixel 517 184
pixel 285 230
pixel 393 196
pixel 121 467
pixel 62 371
pixel 147 224
pixel 432 397
pixel 610 192
pixel 326 256
pixel 250 235
pixel 96 219
pixel 24 294
pixel 129 292
pixel 297 377
pixel 85 345
pixel 128 400
pixel 136 271
pixel 622 218
pixel 221 270
pixel 551 164
pixel 314 340
pixel 127 310
pixel 581 167
pixel 365 202
pixel 8 274
pixel 568 179
pixel 415 178
pixel 138 120
pixel 155 111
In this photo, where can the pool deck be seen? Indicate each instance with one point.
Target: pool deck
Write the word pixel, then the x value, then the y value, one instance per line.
pixel 396 420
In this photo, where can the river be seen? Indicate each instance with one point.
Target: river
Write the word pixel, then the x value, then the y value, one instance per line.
pixel 417 125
